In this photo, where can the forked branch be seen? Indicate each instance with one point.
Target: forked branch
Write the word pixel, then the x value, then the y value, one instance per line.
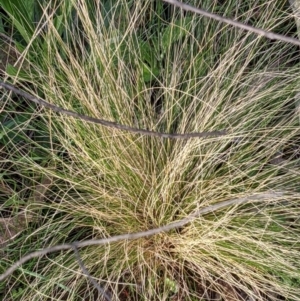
pixel 130 236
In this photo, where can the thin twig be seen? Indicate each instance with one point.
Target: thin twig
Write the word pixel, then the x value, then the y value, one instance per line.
pixel 101 291
pixel 107 123
pixel 131 236
pixel 268 34
pixel 6 37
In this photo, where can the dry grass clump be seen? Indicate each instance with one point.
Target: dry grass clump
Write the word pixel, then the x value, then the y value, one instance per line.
pixel 168 71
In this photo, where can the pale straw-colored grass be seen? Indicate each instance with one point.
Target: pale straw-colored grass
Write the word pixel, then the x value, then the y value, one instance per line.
pixel 105 182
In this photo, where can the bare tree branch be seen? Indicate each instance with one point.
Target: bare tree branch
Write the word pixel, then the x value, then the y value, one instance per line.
pixel 101 291
pixel 259 31
pixel 107 123
pixel 130 236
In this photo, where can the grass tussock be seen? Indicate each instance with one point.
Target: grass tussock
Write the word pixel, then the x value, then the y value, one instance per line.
pixel 155 67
